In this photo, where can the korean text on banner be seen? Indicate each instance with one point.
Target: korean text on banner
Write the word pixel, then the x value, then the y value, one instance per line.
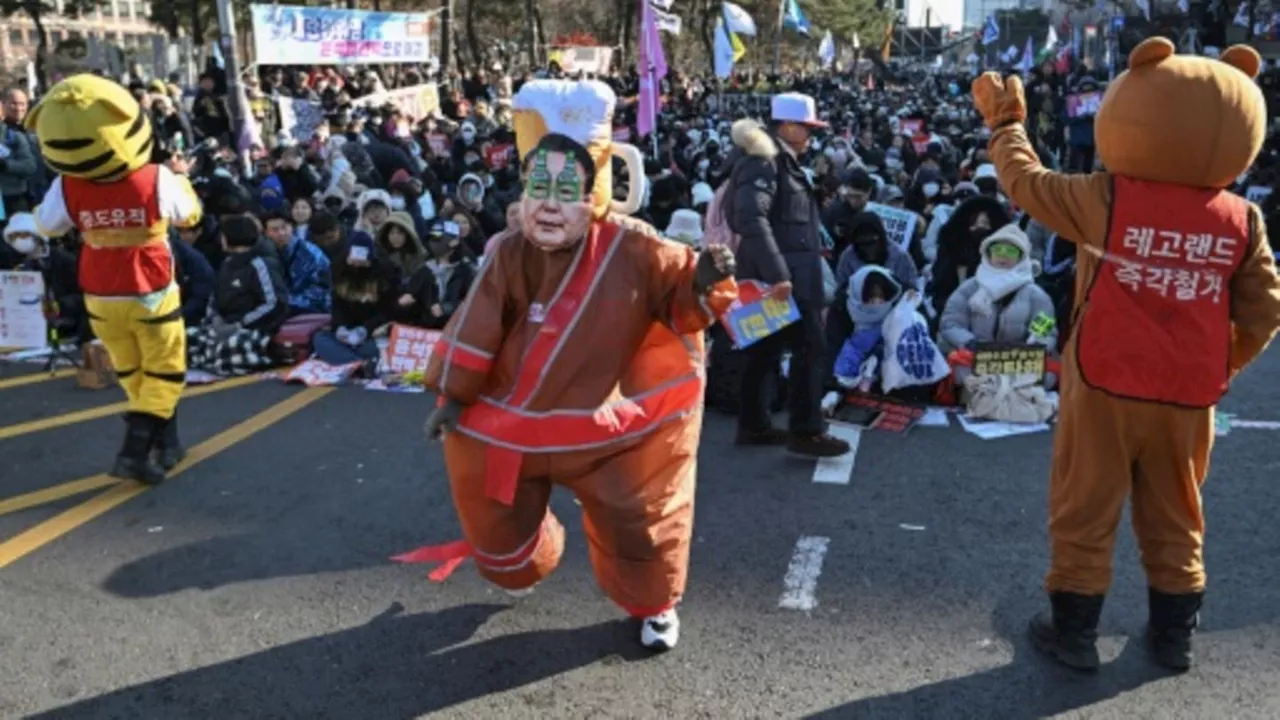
pixel 755 316
pixel 416 101
pixel 899 225
pixel 409 348
pixel 22 321
pixel 296 35
pixel 1010 360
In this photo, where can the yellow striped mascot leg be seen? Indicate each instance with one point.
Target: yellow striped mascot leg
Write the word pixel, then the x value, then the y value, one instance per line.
pixel 93 133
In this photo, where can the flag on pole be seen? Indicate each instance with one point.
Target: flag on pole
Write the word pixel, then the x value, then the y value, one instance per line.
pixel 1028 58
pixel 793 18
pixel 739 21
pixel 990 30
pixel 726 50
pixel 827 50
pixel 651 66
pixel 667 22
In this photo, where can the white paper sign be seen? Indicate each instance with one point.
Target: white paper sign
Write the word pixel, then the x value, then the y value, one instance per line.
pixel 899 225
pixel 22 322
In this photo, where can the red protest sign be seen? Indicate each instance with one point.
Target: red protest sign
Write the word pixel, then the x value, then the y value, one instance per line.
pixel 409 348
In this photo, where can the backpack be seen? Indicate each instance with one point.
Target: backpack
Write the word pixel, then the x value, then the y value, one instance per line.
pixel 719 210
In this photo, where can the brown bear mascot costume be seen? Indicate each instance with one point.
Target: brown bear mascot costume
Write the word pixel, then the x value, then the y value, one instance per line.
pixel 1176 292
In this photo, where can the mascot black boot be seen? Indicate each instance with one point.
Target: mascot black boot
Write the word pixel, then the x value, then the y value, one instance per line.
pixel 1173 620
pixel 169 449
pixel 1070 634
pixel 134 461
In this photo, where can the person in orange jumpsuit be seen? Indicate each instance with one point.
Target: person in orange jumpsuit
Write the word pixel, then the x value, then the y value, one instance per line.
pixel 577 360
pixel 1176 292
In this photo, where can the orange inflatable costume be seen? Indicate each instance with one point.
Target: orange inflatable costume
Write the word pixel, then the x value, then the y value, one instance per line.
pixel 1176 291
pixel 577 361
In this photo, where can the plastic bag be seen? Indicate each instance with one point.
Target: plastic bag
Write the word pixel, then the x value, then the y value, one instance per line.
pixel 911 357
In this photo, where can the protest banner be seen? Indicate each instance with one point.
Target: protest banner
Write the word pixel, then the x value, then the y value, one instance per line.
pixel 298 35
pixel 416 101
pixel 754 315
pixel 1009 360
pixel 498 155
pixel 409 348
pixel 300 117
pixel 317 373
pixel 22 321
pixel 899 225
pixel 879 412
pixel 1083 104
pixel 1257 194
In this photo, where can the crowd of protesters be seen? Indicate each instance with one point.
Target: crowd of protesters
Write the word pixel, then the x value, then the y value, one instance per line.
pixel 374 217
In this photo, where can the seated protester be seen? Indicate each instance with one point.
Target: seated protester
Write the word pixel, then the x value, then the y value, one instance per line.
pixel 205 239
pixel 305 266
pixel 364 291
pixel 32 252
pixel 195 277
pixel 301 211
pixel 436 291
pixel 892 196
pixel 870 295
pixel 959 242
pixel 249 304
pixel 1001 302
pixel 374 207
pixel 397 242
pixel 327 233
pixel 867 243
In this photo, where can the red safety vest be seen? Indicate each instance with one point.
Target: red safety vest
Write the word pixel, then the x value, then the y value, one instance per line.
pixel 1156 322
pixel 126 249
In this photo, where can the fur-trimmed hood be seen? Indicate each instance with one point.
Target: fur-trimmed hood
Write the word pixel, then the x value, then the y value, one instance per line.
pixel 751 138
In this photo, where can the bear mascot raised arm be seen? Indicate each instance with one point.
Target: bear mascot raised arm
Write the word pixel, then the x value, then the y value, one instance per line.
pixel 1176 291
pixel 96 136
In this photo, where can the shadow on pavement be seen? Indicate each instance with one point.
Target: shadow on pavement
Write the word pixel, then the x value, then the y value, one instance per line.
pixel 395 666
pixel 1030 686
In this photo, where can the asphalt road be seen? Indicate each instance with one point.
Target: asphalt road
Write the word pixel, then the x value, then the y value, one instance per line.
pixel 255 584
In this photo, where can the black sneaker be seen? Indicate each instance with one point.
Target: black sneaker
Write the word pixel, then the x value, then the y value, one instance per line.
pixel 771 436
pixel 817 446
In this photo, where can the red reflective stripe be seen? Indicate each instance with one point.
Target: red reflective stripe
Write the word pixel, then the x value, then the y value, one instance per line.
pixel 561 314
pixel 567 431
pixel 463 357
pixel 562 431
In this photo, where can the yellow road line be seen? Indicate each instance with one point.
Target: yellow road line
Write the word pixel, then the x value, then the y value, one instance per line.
pixel 55 493
pixel 34 378
pixel 79 416
pixel 63 523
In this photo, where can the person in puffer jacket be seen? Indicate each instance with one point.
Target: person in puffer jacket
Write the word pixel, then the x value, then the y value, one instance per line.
pixel 1000 302
pixel 873 290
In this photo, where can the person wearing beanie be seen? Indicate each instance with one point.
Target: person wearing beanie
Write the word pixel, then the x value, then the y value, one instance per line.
pixel 1001 302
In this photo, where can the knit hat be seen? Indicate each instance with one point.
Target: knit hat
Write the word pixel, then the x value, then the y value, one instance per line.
pixel 240 231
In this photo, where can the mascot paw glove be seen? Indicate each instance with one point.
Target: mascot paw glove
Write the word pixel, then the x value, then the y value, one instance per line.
pixel 1001 101
pixel 443 419
pixel 714 264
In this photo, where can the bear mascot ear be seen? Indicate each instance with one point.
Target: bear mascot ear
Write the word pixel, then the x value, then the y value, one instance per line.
pixel 1243 58
pixel 1151 51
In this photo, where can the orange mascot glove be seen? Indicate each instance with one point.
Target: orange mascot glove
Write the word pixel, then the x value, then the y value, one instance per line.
pixel 1001 101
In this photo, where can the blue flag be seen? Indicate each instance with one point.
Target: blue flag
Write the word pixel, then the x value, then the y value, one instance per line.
pixel 793 17
pixel 990 30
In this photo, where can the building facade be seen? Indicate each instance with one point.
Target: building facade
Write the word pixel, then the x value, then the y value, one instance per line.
pixel 122 23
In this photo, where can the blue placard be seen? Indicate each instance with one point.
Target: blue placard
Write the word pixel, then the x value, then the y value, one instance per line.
pixel 748 324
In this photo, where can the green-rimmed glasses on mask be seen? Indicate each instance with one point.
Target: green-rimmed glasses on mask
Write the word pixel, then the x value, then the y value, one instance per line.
pixel 567 187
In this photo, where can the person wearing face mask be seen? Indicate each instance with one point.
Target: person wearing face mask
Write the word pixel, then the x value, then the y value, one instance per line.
pixel 869 297
pixel 868 244
pixel 576 360
pixel 959 241
pixel 465 142
pixel 1001 302
pixel 855 191
pixel 438 288
pixel 32 252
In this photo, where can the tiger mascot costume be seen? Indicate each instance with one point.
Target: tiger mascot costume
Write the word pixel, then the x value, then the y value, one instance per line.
pixel 96 136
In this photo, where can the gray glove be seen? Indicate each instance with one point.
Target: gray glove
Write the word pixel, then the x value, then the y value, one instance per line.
pixel 443 419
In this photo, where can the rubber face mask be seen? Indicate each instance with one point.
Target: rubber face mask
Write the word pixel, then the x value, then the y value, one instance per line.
pixel 555 209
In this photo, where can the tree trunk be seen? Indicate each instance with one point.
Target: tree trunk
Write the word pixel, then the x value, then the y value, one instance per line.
pixel 42 48
pixel 473 41
pixel 531 32
pixel 707 32
pixel 446 36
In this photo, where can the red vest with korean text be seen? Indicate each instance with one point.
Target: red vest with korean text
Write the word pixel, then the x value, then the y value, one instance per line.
pixel 1156 323
pixel 126 249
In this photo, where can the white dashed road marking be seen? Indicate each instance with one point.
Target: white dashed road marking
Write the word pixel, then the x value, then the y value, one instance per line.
pixel 801 582
pixel 839 470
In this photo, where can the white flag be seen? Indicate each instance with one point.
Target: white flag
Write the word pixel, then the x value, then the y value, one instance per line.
pixel 723 52
pixel 667 22
pixel 739 20
pixel 1051 40
pixel 662 4
pixel 1242 15
pixel 1145 7
pixel 827 50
